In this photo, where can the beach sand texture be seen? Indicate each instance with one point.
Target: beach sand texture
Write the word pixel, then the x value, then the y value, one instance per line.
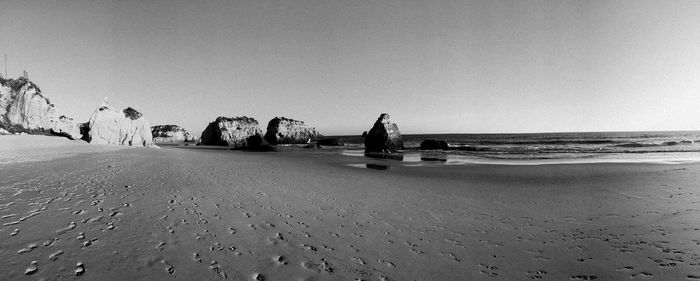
pixel 199 214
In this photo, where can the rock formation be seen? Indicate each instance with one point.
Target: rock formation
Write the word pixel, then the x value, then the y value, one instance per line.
pixel 384 136
pixel 281 130
pixel 239 132
pixel 109 125
pixel 170 133
pixel 23 108
pixel 434 144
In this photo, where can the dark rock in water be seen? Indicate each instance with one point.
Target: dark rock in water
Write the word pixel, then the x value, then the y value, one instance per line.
pixel 377 167
pixel 25 109
pixel 433 159
pixel 330 142
pixel 109 125
pixel 434 144
pixel 384 136
pixel 171 133
pixel 384 155
pixel 239 132
pixel 282 130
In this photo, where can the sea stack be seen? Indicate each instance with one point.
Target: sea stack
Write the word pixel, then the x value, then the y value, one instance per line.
pixel 170 134
pixel 282 130
pixel 239 132
pixel 384 136
pixel 24 109
pixel 109 125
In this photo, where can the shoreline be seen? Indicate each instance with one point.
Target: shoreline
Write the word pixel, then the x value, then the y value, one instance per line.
pixel 160 214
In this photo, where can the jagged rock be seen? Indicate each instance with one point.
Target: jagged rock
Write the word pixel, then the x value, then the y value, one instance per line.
pixel 281 130
pixel 170 133
pixel 4 132
pixel 109 125
pixel 23 108
pixel 434 144
pixel 239 132
pixel 384 136
pixel 85 131
pixel 330 142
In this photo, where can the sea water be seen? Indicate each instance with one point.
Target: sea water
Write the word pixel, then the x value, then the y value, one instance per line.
pixel 542 148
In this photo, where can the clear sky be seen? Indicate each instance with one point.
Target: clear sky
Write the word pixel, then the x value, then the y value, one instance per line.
pixel 434 66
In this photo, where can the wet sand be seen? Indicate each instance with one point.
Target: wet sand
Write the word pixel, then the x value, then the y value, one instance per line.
pixel 198 214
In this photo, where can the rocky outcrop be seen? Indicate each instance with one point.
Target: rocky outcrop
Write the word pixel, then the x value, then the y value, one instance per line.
pixel 239 132
pixel 109 125
pixel 434 144
pixel 24 109
pixel 281 130
pixel 170 134
pixel 384 136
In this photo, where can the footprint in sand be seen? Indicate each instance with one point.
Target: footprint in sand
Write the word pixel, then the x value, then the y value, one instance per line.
pixel 388 263
pixel 70 226
pixel 27 249
pixel 168 267
pixel 308 247
pixel 642 275
pixel 79 269
pixel 214 265
pixel 32 268
pixel 54 256
pixel 318 268
pixel 50 242
pixel 536 274
pixel 583 277
pixel 489 270
pixel 280 260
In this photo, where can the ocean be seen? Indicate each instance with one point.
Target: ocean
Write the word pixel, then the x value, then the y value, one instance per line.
pixel 673 146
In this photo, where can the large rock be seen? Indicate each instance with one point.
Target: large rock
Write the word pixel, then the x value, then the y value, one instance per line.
pixel 170 133
pixel 24 109
pixel 281 130
pixel 239 132
pixel 109 125
pixel 384 136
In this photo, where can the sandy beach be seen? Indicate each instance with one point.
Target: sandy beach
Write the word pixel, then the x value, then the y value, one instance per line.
pixel 202 214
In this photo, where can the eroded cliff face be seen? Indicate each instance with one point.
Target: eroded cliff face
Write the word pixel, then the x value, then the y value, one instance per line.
pixel 23 108
pixel 239 132
pixel 109 125
pixel 384 136
pixel 282 130
pixel 170 134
